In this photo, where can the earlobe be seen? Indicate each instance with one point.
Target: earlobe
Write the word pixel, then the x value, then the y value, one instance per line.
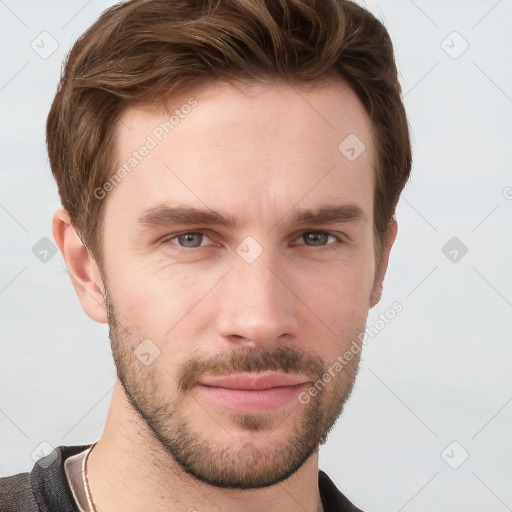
pixel 382 266
pixel 82 268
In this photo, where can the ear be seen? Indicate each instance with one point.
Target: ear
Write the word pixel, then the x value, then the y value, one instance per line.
pixel 82 268
pixel 382 265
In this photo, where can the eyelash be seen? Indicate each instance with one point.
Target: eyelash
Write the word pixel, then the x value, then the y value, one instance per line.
pixel 331 246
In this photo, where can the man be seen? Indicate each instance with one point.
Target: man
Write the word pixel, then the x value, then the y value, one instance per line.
pixel 229 173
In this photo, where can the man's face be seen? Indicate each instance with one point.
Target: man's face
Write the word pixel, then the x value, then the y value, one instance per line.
pixel 244 318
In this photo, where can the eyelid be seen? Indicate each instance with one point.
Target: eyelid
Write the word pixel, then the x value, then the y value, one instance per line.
pixel 339 239
pixel 319 231
pixel 168 239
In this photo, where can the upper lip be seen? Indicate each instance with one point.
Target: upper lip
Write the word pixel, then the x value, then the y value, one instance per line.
pixel 263 380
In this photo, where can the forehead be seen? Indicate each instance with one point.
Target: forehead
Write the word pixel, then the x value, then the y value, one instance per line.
pixel 257 149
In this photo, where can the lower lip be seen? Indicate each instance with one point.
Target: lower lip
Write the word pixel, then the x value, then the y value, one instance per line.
pixel 251 400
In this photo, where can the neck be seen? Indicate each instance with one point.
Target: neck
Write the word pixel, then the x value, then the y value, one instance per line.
pixel 130 471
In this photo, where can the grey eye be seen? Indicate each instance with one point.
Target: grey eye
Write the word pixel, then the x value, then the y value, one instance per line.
pixel 316 238
pixel 189 240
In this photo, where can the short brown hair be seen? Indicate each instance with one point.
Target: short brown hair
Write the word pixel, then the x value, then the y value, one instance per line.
pixel 147 50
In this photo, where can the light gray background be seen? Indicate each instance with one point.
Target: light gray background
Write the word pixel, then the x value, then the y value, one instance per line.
pixel 438 373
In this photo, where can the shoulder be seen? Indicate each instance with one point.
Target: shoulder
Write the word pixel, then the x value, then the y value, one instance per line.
pixel 332 499
pixel 16 494
pixel 44 488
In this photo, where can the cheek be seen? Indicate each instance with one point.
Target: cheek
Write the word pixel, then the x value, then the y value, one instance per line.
pixel 164 302
pixel 339 301
pixel 148 288
pixel 340 291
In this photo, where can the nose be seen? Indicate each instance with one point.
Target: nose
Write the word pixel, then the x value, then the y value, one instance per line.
pixel 257 305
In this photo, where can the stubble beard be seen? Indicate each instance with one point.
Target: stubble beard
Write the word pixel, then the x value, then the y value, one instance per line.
pixel 248 461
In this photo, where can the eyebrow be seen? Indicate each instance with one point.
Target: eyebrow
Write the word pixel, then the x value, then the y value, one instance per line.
pixel 163 215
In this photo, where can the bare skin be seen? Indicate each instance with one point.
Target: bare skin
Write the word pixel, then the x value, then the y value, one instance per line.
pixel 257 155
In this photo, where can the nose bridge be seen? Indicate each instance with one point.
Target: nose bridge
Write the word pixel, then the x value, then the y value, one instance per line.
pixel 256 303
pixel 259 279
